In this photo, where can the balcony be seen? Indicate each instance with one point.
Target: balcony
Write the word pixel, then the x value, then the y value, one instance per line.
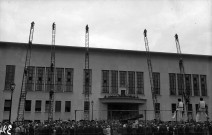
pixel 123 98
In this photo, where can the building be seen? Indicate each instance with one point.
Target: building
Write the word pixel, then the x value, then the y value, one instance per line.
pixel 120 86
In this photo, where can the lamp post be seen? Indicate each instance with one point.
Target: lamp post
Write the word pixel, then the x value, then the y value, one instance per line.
pixel 12 87
pixel 92 110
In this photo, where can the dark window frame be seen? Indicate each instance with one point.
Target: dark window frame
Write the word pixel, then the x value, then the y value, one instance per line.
pixel 59 76
pixel 69 75
pixel 7 105
pixel 9 76
pixel 40 79
pixel 203 82
pixel 105 81
pixel 67 106
pixel 172 83
pixel 28 105
pixel 196 84
pixel 131 81
pixel 38 105
pixel 156 82
pixel 140 82
pixel 114 82
pixel 122 79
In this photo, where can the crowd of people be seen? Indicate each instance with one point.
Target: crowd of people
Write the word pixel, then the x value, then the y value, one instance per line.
pixel 113 127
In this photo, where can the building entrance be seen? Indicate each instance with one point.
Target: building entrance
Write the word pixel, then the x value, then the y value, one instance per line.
pixel 122 111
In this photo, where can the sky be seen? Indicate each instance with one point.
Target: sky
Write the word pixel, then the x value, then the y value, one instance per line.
pixel 116 24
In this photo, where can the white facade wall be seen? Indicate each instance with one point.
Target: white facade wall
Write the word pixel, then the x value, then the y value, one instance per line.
pixel 100 59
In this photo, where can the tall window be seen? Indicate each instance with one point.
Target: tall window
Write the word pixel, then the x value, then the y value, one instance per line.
pixel 86 105
pixel 196 85
pixel 10 76
pixel 49 79
pixel 196 108
pixel 38 106
pixel 114 82
pixel 59 79
pixel 172 83
pixel 157 107
pixel 188 84
pixel 140 82
pixel 180 84
pixel 87 80
pixel 57 106
pixel 190 108
pixel 131 80
pixel 174 107
pixel 30 78
pixel 123 78
pixel 156 82
pixel 203 85
pixel 190 112
pixel 27 105
pixel 39 78
pixel 7 105
pixel 69 79
pixel 105 81
pixel 47 106
pixel 67 106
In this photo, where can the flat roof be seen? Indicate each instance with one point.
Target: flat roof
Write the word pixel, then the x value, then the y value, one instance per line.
pixel 99 49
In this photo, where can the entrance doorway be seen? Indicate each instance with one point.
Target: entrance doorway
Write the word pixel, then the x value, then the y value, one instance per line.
pixel 122 111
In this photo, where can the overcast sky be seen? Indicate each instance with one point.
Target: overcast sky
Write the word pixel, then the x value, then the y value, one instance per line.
pixel 115 24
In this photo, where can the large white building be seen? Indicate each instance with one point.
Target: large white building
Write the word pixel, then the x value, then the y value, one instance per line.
pixel 120 86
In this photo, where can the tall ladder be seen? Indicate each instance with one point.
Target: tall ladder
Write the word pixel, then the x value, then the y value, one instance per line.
pixel 186 93
pixel 22 98
pixel 149 63
pixel 52 68
pixel 87 74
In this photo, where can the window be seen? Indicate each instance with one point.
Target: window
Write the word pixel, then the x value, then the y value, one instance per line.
pixel 57 106
pixel 30 78
pixel 131 80
pixel 47 106
pixel 157 107
pixel 87 81
pixel 180 84
pixel 27 105
pixel 69 79
pixel 156 82
pixel 10 76
pixel 86 105
pixel 39 78
pixel 196 107
pixel 190 108
pixel 38 106
pixel 172 83
pixel 59 79
pixel 188 84
pixel 196 85
pixel 105 81
pixel 174 107
pixel 49 79
pixel 203 85
pixel 140 82
pixel 190 112
pixel 7 105
pixel 114 81
pixel 123 78
pixel 68 106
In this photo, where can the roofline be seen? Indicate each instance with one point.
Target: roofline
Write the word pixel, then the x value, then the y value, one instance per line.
pixel 107 49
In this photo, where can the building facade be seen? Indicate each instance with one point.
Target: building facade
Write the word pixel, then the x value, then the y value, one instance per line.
pixel 119 83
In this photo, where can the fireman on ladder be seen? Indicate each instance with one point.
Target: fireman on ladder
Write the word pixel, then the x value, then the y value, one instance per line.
pixel 201 110
pixel 179 110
